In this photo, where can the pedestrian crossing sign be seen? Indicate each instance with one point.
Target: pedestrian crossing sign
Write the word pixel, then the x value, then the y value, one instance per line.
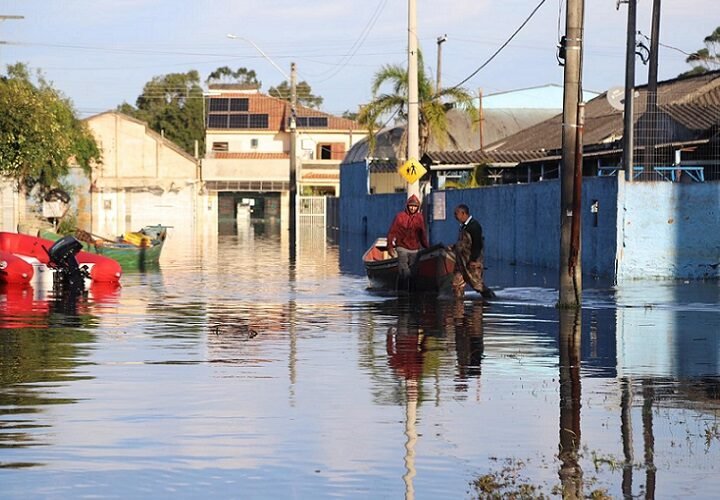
pixel 412 170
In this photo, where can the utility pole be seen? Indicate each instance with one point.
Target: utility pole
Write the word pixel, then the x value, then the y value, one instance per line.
pixel 440 41
pixel 481 118
pixel 413 136
pixel 651 107
pixel 570 262
pixel 629 107
pixel 293 161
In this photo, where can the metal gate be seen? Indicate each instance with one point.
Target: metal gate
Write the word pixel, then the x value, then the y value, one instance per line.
pixel 311 211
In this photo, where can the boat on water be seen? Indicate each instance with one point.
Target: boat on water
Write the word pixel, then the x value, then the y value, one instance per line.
pixel 433 270
pixel 138 250
pixel 27 260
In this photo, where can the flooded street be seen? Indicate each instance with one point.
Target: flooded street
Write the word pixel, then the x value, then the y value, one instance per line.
pixel 229 373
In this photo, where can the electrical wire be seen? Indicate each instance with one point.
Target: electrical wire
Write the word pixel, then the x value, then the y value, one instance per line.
pixel 527 20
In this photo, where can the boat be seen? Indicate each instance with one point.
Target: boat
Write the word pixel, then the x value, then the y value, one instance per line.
pixel 138 250
pixel 25 260
pixel 433 270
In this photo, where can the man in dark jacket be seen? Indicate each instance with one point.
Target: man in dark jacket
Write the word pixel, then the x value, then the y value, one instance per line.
pixel 407 234
pixel 469 255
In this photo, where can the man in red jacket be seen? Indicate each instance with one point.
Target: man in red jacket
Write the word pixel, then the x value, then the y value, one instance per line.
pixel 407 234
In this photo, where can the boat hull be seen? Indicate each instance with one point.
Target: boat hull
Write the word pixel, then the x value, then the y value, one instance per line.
pixel 130 257
pixel 433 271
pixel 25 260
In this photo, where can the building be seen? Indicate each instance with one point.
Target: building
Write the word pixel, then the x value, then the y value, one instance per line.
pixel 144 179
pixel 247 157
pixel 661 229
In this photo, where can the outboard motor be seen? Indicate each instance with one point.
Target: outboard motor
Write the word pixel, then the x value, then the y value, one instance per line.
pixel 69 275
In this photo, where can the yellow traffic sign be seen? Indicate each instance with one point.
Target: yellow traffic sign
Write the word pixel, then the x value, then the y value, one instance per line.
pixel 412 170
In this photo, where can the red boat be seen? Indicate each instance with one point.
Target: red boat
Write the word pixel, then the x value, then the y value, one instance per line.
pixel 433 271
pixel 24 259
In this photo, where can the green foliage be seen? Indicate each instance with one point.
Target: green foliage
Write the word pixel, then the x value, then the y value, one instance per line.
pixel 41 134
pixel 303 91
pixel 475 178
pixel 707 58
pixel 432 108
pixel 241 76
pixel 350 115
pixel 172 104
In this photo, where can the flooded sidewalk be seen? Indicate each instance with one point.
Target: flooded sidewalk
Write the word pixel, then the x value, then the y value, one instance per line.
pixel 233 373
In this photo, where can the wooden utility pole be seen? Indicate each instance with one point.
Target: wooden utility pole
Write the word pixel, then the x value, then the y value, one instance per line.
pixel 481 118
pixel 570 262
pixel 413 136
pixel 629 108
pixel 293 161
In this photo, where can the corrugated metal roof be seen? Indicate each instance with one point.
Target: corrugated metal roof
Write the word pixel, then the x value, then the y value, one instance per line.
pixel 693 102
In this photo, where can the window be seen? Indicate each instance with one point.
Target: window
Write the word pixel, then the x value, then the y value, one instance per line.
pixel 332 151
pixel 220 146
pixel 325 152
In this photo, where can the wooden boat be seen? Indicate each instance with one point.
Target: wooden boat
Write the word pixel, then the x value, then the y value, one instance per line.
pixel 25 259
pixel 139 250
pixel 433 270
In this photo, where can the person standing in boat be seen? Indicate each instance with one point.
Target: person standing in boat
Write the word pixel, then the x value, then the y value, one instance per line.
pixel 469 255
pixel 407 235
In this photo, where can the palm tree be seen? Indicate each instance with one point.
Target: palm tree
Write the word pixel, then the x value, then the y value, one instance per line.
pixel 432 107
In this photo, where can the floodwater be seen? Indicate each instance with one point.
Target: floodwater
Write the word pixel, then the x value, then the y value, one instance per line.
pixel 229 373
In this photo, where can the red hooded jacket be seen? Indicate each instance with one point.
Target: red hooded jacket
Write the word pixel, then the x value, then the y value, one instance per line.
pixel 408 229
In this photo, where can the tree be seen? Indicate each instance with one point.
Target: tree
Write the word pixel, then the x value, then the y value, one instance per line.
pixel 172 104
pixel 707 58
pixel 303 91
pixel 432 109
pixel 241 76
pixel 41 134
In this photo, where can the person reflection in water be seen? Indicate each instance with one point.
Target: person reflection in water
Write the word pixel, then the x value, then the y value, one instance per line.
pixel 469 255
pixel 469 340
pixel 407 235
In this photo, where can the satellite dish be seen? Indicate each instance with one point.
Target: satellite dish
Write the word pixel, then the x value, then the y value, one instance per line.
pixel 616 97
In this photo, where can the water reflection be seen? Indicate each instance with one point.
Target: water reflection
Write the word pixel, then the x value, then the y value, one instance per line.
pixel 414 352
pixel 43 344
pixel 571 473
pixel 236 368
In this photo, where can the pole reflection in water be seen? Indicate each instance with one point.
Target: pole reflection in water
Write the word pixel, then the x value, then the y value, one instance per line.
pixel 649 438
pixel 627 438
pixel 571 474
pixel 413 345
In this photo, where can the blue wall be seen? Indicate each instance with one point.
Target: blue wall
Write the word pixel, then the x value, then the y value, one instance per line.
pixel 642 230
pixel 668 230
pixel 521 222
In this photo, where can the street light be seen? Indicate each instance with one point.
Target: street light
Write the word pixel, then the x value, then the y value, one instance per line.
pixel 293 140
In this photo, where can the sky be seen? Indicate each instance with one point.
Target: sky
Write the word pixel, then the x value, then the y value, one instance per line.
pixel 100 53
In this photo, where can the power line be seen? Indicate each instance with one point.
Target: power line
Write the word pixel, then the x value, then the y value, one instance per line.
pixel 501 47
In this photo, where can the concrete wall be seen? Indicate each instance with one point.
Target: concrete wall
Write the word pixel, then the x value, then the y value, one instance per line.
pixel 132 151
pixel 145 179
pixel 640 230
pixel 246 170
pixel 9 206
pixel 521 223
pixel 668 230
